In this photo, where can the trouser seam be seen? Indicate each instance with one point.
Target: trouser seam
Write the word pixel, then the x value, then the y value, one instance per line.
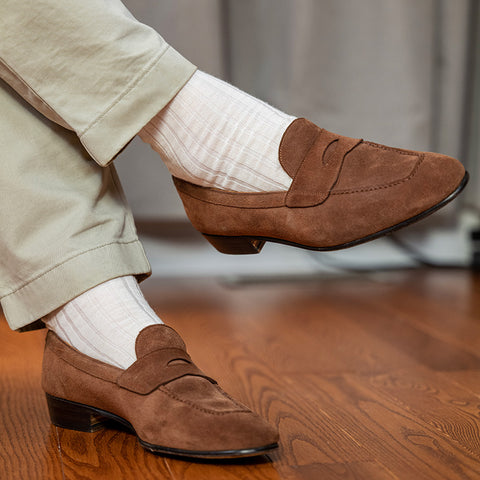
pixel 65 261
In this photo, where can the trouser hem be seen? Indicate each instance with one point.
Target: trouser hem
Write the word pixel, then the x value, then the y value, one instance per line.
pixel 67 280
pixel 139 103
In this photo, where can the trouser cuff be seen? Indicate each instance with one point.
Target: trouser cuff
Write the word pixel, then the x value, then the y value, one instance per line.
pixel 140 102
pixel 24 307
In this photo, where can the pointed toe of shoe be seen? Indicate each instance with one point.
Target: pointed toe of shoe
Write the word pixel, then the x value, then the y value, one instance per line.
pixel 441 177
pixel 213 424
pixel 225 436
pixel 251 432
pixel 241 434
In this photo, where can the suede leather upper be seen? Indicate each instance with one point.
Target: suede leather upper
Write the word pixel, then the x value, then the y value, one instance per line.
pixel 343 191
pixel 183 410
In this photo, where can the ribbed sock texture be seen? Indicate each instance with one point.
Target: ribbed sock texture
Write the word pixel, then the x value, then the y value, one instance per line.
pixel 215 135
pixel 104 322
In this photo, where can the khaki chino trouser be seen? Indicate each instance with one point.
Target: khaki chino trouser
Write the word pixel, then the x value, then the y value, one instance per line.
pixel 79 80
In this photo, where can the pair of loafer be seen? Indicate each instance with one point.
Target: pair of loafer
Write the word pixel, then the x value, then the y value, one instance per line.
pixel 344 192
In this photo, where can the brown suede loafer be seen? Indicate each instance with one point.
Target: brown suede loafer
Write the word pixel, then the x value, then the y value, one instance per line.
pixel 344 192
pixel 163 398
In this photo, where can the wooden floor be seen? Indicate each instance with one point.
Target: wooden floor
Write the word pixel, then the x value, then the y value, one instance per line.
pixel 366 377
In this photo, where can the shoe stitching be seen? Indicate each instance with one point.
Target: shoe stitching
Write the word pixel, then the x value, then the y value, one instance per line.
pixel 319 134
pixel 54 351
pixel 164 389
pixel 59 354
pixel 213 202
pixel 281 157
pixel 168 392
pixel 400 151
pixel 380 187
pixel 239 405
pixel 332 192
pixel 182 189
pixel 254 207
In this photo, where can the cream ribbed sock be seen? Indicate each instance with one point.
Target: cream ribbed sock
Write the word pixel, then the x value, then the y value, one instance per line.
pixel 215 135
pixel 104 322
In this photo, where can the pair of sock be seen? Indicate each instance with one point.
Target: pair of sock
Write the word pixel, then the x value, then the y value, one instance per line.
pixel 211 134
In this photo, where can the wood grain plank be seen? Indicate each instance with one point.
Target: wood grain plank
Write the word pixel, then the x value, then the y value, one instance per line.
pixel 450 409
pixel 291 328
pixel 402 329
pixel 397 438
pixel 468 380
pixel 453 323
pixel 108 454
pixel 344 471
pixel 262 469
pixel 369 377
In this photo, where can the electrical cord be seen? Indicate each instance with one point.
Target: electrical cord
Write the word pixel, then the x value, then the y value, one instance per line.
pixel 419 259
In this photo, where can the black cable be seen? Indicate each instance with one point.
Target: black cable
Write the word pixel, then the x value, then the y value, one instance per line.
pixel 412 253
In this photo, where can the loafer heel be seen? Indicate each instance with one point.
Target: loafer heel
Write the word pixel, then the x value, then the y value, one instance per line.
pixel 235 245
pixel 73 416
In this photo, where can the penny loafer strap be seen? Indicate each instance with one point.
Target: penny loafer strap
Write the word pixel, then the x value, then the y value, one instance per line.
pixel 319 170
pixel 158 368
